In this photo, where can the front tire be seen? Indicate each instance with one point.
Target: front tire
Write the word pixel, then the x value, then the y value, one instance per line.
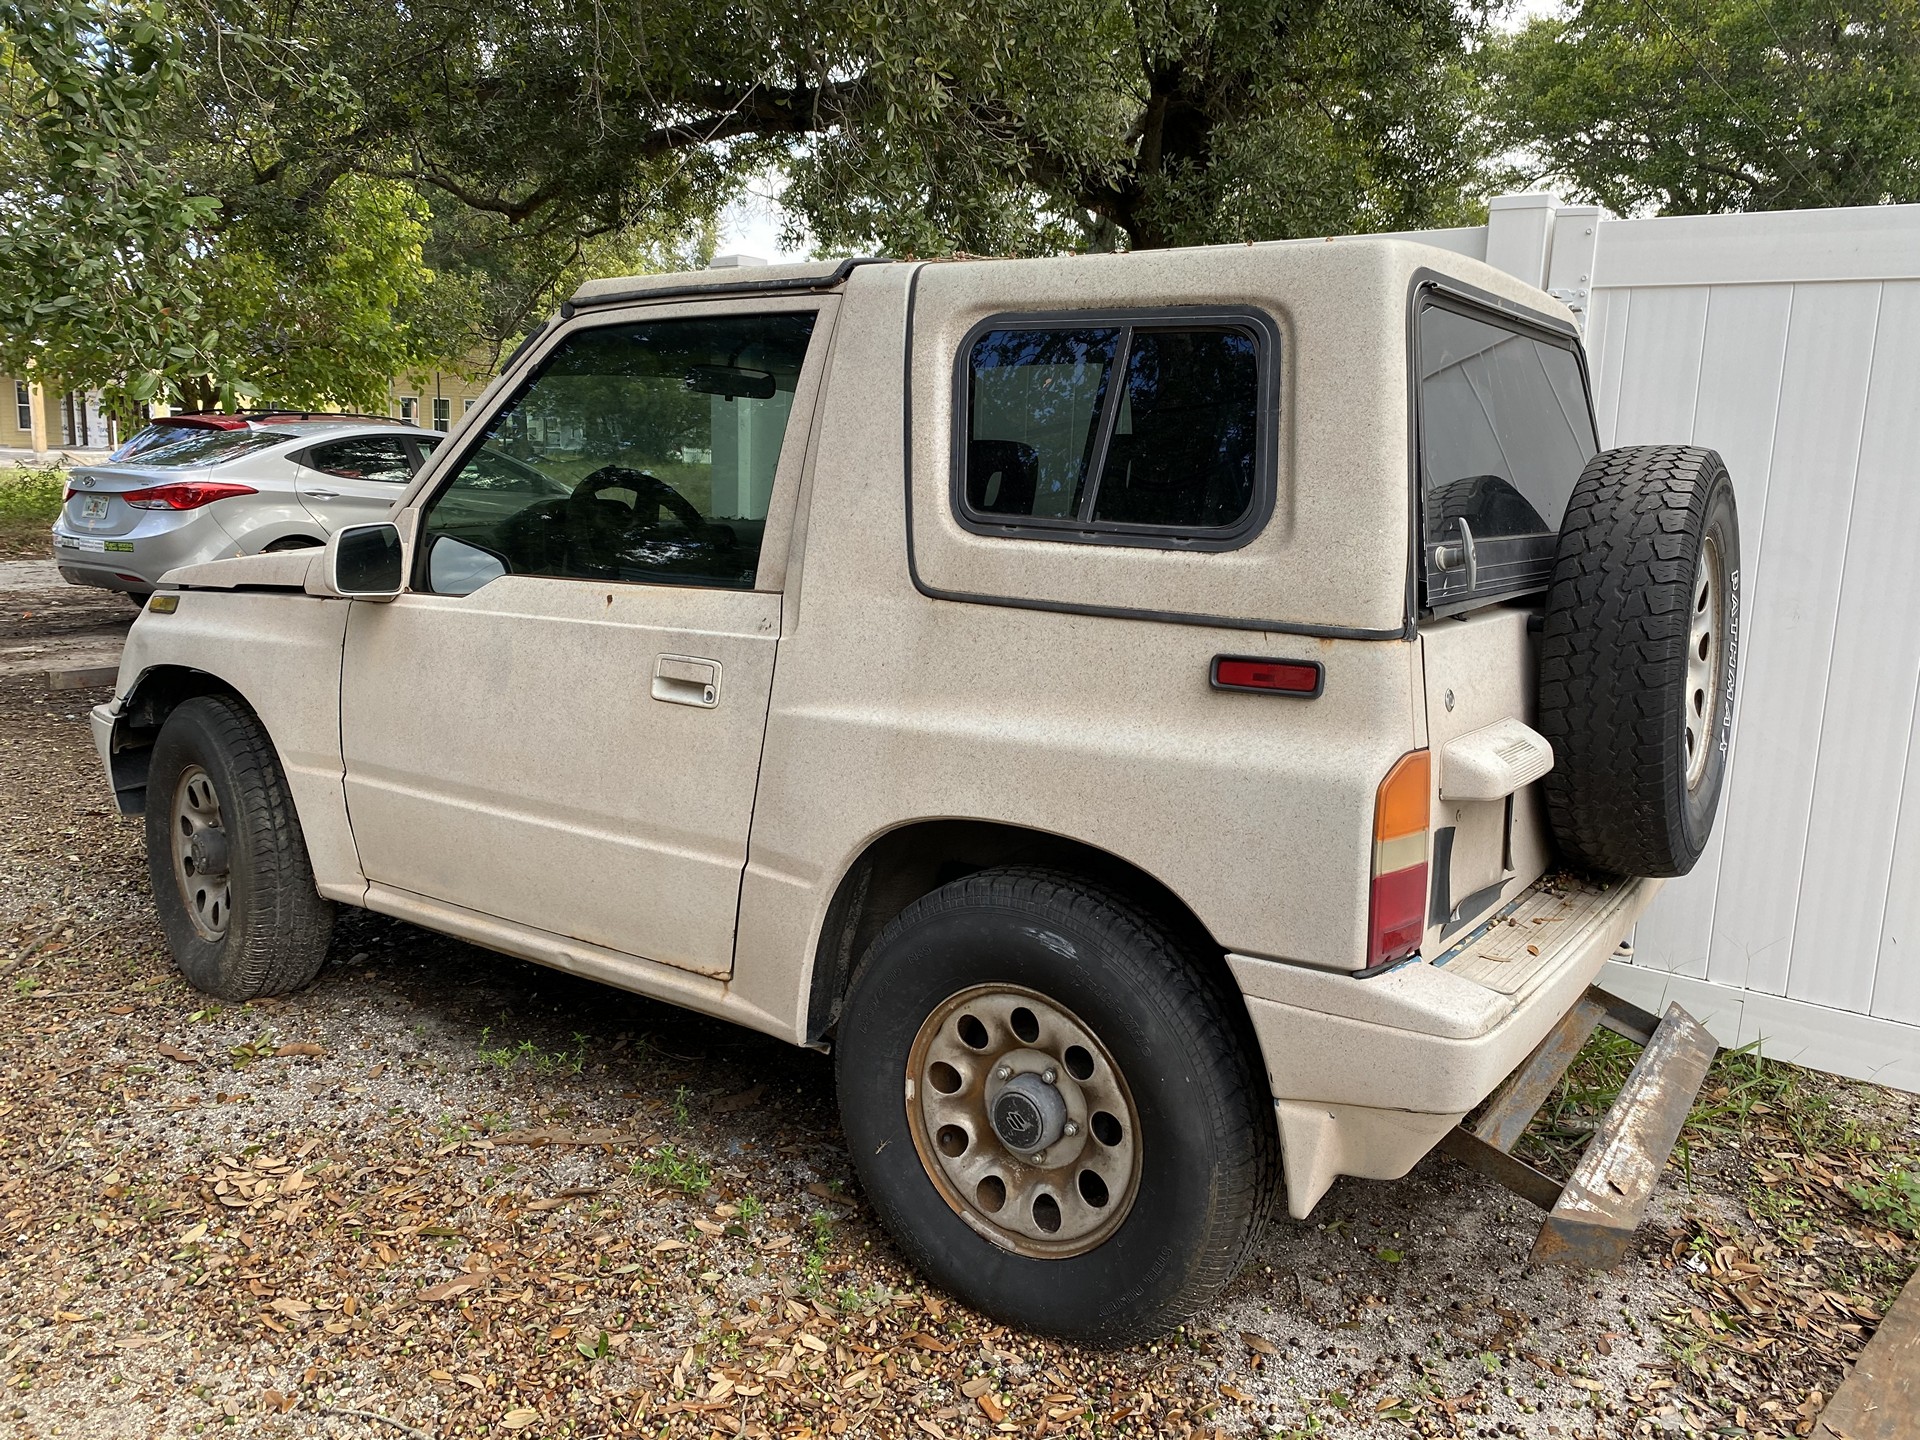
pixel 1055 1111
pixel 226 857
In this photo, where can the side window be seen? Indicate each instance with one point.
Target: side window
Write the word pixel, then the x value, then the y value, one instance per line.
pixel 1149 429
pixel 1505 431
pixel 639 452
pixel 366 457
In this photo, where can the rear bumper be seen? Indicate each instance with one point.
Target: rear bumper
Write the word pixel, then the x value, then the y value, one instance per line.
pixel 1368 1074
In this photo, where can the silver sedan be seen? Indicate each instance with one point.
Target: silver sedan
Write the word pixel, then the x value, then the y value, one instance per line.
pixel 191 488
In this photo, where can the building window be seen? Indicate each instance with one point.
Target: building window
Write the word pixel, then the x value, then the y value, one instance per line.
pixel 409 410
pixel 442 413
pixel 23 405
pixel 466 405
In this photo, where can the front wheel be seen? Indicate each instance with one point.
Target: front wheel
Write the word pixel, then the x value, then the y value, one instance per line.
pixel 1054 1109
pixel 226 857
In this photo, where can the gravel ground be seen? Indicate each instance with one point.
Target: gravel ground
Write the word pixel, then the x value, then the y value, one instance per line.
pixel 446 1193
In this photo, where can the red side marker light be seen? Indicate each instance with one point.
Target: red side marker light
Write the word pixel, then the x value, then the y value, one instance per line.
pixel 1300 678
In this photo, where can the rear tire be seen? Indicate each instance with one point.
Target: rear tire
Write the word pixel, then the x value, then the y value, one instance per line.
pixel 226 857
pixel 1639 658
pixel 1126 1223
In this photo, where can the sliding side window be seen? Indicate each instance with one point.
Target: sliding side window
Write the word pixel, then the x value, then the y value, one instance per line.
pixel 1129 431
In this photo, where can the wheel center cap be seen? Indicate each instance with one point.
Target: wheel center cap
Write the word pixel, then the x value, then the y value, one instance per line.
pixel 1028 1114
pixel 208 852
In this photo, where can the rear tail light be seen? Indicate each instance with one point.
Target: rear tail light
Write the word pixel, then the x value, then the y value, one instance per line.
pixel 1397 911
pixel 184 495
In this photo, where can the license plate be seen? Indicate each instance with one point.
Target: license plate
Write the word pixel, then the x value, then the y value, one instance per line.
pixel 93 507
pixel 81 542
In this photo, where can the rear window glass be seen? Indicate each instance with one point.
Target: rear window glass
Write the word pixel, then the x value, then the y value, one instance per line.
pixel 1128 429
pixel 186 446
pixel 1505 431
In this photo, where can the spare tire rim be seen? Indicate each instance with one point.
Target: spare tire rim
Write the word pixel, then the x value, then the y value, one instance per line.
pixel 200 853
pixel 1706 655
pixel 1023 1121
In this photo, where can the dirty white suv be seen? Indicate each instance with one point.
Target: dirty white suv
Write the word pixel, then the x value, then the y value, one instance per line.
pixel 1180 727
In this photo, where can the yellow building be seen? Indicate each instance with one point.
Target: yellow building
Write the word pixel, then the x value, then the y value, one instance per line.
pixel 433 401
pixel 39 418
pixel 33 417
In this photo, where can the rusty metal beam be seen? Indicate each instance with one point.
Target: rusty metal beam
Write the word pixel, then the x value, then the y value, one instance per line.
pixel 1518 1176
pixel 1521 1094
pixel 1593 1221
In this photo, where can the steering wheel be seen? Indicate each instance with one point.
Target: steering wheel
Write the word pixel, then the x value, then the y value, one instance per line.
pixel 598 530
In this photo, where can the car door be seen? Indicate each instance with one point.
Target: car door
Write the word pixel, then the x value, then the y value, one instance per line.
pixel 560 724
pixel 354 479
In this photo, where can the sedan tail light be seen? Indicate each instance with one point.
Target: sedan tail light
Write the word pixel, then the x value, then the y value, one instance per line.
pixel 1397 915
pixel 184 495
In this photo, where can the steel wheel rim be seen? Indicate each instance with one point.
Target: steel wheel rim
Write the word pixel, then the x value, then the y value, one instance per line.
pixel 200 853
pixel 1073 1193
pixel 1706 653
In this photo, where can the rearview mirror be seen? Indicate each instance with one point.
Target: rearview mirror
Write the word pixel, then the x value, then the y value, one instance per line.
pixel 367 562
pixel 731 381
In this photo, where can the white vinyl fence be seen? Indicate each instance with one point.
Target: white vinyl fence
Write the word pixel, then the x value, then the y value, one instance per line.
pixel 1790 343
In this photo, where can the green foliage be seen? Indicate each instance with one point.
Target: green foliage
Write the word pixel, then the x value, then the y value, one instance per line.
pixel 1893 1199
pixel 217 200
pixel 30 495
pixel 1697 106
pixel 678 1169
pixel 97 277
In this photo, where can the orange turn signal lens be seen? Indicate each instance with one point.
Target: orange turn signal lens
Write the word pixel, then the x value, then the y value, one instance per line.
pixel 1397 903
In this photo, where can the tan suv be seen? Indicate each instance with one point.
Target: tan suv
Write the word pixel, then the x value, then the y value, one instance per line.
pixel 1180 727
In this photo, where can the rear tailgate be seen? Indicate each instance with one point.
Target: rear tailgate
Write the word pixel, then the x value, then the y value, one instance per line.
pixel 1489 837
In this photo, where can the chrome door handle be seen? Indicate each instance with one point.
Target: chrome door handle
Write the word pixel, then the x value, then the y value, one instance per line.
pixel 687 680
pixel 319 494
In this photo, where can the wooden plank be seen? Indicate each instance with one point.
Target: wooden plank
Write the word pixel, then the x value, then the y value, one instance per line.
pixel 1789 633
pixel 1743 358
pixel 1868 720
pixel 1880 1398
pixel 86 677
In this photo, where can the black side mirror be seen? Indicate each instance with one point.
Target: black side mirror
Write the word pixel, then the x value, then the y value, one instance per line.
pixel 369 562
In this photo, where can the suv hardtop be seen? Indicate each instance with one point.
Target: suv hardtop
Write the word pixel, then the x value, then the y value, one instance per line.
pixel 1227 710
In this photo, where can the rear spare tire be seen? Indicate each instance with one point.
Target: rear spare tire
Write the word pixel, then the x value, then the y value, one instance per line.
pixel 1638 659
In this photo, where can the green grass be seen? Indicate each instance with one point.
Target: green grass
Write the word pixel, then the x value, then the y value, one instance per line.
pixel 29 500
pixel 31 494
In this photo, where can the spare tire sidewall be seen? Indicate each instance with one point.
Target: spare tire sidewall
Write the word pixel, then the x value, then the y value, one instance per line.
pixel 1702 800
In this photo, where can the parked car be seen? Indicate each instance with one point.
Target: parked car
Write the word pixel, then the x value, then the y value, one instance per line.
pixel 1228 710
pixel 191 488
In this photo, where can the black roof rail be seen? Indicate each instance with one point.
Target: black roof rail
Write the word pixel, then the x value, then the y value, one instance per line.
pixel 742 286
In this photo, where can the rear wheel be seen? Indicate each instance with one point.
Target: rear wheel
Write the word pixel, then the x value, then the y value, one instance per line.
pixel 226 857
pixel 1053 1109
pixel 1639 657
